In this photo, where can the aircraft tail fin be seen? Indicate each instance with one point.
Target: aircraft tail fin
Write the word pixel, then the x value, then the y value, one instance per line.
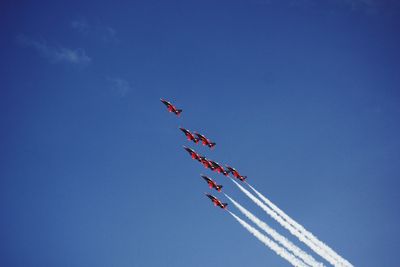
pixel 219 187
pixel 178 112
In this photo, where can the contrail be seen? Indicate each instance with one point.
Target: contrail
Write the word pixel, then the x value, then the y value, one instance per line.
pixel 278 237
pixel 301 229
pixel 270 244
pixel 289 227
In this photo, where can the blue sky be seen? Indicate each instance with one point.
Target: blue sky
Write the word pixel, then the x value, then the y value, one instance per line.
pixel 300 96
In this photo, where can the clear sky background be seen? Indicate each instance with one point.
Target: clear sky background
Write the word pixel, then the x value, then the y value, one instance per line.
pixel 300 96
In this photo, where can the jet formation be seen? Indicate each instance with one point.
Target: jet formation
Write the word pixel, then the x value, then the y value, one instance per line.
pixel 214 166
pixel 207 163
pixel 286 249
pixel 196 137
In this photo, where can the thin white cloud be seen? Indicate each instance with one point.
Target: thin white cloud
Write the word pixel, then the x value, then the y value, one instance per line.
pixel 368 6
pixel 81 26
pixel 365 3
pixel 371 7
pixel 56 54
pixel 106 33
pixel 109 34
pixel 120 86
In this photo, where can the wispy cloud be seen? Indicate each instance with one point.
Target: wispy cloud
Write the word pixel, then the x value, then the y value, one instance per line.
pixel 120 86
pixel 364 3
pixel 106 33
pixel 368 7
pixel 109 34
pixel 81 26
pixel 372 7
pixel 56 54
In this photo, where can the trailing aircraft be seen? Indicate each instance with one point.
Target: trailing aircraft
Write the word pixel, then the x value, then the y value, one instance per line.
pixel 211 183
pixel 235 173
pixel 217 202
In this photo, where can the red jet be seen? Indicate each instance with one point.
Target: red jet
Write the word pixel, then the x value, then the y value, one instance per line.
pixel 236 173
pixel 193 154
pixel 218 168
pixel 211 183
pixel 206 163
pixel 217 202
pixel 205 141
pixel 171 108
pixel 189 135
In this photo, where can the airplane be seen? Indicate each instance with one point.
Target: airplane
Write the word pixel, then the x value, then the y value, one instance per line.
pixel 189 135
pixel 171 108
pixel 236 173
pixel 206 163
pixel 193 153
pixel 211 183
pixel 218 168
pixel 217 202
pixel 205 141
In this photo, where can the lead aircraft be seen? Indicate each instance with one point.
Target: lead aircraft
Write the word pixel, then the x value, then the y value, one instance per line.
pixel 171 108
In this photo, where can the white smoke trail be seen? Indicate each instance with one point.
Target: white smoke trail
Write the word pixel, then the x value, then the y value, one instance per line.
pixel 301 229
pixel 289 227
pixel 270 244
pixel 278 237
